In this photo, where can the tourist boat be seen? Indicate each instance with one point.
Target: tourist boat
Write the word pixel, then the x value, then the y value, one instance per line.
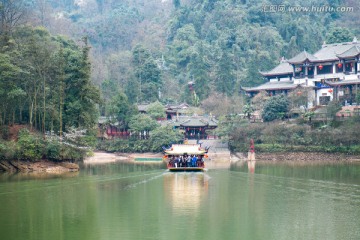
pixel 177 157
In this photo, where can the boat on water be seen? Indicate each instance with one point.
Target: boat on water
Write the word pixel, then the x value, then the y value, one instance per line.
pixel 185 157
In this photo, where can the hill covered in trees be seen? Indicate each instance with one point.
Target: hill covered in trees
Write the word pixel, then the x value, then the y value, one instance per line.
pixel 151 49
pixel 63 63
pixel 148 50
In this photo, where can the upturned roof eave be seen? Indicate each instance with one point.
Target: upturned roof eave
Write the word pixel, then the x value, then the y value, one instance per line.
pixel 266 74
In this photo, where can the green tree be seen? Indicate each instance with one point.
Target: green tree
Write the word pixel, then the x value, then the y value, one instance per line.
pixel 147 74
pixel 225 77
pixel 176 3
pixel 156 110
pixel 119 109
pixel 199 73
pixel 331 109
pixel 275 108
pixel 9 88
pixel 338 35
pixel 82 96
pixel 141 123
pixel 248 110
pixel 164 135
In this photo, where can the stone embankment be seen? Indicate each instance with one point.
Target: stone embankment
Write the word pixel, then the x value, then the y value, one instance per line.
pixel 304 156
pixel 39 166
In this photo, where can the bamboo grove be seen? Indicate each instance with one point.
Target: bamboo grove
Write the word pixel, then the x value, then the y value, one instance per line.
pixel 45 82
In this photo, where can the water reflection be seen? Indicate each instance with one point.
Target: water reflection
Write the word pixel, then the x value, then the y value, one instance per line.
pixel 185 191
pixel 251 166
pixel 243 166
pixel 335 171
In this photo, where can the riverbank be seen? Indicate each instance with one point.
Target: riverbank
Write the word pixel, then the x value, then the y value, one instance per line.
pixel 302 156
pixel 43 166
pixel 104 157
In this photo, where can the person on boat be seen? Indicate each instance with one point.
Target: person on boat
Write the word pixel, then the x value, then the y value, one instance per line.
pixel 181 160
pixel 188 161
pixel 198 162
pixel 193 161
pixel 172 161
pixel 177 160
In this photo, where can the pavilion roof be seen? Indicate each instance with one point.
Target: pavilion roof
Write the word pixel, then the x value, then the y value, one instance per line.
pixel 190 149
pixel 330 52
pixel 277 85
pixel 281 69
pixel 351 52
pixel 194 121
pixel 302 57
pixel 345 82
pixel 142 107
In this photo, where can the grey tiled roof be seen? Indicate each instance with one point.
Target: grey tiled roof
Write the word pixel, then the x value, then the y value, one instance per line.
pixel 346 82
pixel 280 85
pixel 142 107
pixel 330 52
pixel 352 52
pixel 302 57
pixel 194 121
pixel 281 69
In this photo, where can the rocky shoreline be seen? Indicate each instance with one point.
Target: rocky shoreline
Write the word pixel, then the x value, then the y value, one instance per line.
pixel 307 156
pixel 42 166
pixel 45 166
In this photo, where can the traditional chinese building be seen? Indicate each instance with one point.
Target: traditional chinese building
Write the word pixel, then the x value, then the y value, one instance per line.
pixel 196 127
pixel 175 110
pixel 170 110
pixel 108 129
pixel 332 73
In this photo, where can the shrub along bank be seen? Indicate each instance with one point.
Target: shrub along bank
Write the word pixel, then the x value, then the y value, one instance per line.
pixel 32 147
pixel 294 136
pixel 161 136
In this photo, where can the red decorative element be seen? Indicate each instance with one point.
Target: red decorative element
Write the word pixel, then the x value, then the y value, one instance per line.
pixel 321 67
pixel 299 93
pixel 339 65
pixel 252 147
pixel 330 90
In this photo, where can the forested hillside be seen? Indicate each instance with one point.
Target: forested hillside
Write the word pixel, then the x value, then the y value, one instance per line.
pixel 150 49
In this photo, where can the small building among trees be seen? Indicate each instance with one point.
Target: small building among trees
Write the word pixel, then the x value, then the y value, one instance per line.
pixel 196 127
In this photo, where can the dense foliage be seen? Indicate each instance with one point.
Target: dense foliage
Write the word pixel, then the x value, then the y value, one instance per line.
pixel 159 137
pixel 45 82
pixel 33 147
pixel 198 51
pixel 275 107
pixel 283 136
pixel 152 49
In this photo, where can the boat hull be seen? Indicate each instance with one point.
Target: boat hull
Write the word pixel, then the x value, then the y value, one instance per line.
pixel 186 169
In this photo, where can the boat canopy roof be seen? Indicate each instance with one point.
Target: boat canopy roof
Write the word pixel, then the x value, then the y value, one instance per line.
pixel 181 149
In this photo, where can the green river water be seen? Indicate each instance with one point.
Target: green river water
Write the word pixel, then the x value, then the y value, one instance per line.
pixel 143 201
